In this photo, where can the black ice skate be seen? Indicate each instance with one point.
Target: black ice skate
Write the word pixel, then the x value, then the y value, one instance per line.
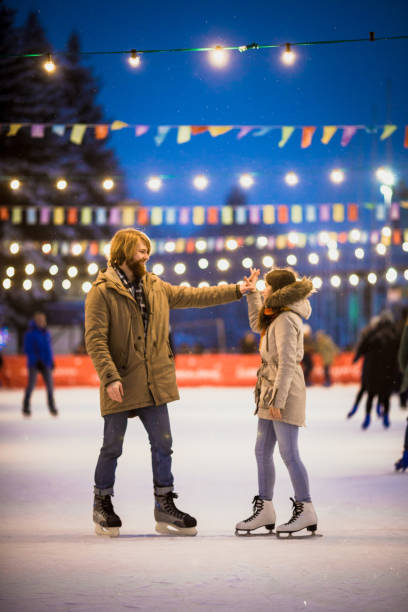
pixel 104 517
pixel 263 516
pixel 169 519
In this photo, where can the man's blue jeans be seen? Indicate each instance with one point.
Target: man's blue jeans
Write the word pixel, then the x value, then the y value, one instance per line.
pixel 32 379
pixel 156 422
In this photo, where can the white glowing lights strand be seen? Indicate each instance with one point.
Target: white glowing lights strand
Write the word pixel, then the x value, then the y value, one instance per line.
pixel 246 180
pixel 218 54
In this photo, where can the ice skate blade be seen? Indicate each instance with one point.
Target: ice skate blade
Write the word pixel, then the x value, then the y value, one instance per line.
pixel 248 533
pixel 111 532
pixel 173 530
pixel 296 535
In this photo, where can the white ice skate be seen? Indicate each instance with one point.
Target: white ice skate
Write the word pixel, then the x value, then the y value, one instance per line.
pixel 263 516
pixel 303 517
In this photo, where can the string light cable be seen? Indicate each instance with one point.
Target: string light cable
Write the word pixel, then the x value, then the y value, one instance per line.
pixel 136 53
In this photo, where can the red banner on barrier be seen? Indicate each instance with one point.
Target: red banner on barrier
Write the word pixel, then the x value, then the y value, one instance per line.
pixel 223 370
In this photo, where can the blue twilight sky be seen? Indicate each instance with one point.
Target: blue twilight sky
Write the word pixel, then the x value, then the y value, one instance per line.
pixel 358 83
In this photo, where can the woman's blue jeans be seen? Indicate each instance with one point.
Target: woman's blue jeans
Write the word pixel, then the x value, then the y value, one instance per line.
pixel 270 432
pixel 156 422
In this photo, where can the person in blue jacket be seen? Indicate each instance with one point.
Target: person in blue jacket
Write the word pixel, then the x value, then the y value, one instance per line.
pixel 37 347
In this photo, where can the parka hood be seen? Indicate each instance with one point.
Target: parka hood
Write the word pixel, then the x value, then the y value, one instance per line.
pixel 289 295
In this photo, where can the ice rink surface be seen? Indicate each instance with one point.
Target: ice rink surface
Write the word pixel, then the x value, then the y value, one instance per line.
pixel 51 559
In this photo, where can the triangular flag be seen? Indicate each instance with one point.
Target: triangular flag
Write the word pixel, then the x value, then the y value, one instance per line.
pixel 86 215
pixel 59 130
pixel 198 129
pixel 37 131
pixel 141 129
pixel 307 135
pixel 406 137
pixel 245 129
pixel 328 133
pixel 287 131
pixel 118 125
pixel 348 133
pixel 162 132
pixel 218 130
pixel 78 133
pixel 101 131
pixel 183 134
pixel 262 131
pixel 387 131
pixel 14 128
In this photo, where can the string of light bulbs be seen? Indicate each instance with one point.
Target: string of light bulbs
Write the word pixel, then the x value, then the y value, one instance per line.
pixel 218 53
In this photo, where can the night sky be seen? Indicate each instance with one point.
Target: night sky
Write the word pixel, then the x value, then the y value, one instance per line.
pixel 358 83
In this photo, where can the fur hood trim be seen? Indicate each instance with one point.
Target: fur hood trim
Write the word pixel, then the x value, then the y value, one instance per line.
pixel 290 294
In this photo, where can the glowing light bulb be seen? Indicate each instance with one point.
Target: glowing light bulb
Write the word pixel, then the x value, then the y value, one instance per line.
pixel 108 184
pixel 218 57
pixel 335 281
pixel 72 271
pixel 203 263
pixel 49 65
pixel 93 268
pixel 391 275
pixel 134 59
pixel 185 284
pixel 355 235
pixel 337 176
pixel 293 237
pixel 313 258
pixel 154 183
pixel 317 282
pixel 292 260
pixel 180 268
pixel 359 253
pixel 170 246
pixel 201 245
pixel 204 284
pixel 405 247
pixel 268 261
pixel 288 56
pixel 246 180
pixel 66 284
pixel 15 184
pixel 46 248
pixel 76 249
pixel 200 182
pixel 10 271
pixel 6 283
pixel 354 280
pixel 86 287
pixel 27 284
pixel 231 244
pixel 30 269
pixel 48 284
pixel 223 264
pixel 381 248
pixel 291 179
pixel 53 270
pixel 14 248
pixel 386 176
pixel 333 254
pixel 247 262
pixel 260 284
pixel 158 269
pixel 261 242
pixel 61 184
pixel 372 278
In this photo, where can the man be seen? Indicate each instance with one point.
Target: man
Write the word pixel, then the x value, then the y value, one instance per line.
pixel 37 346
pixel 127 337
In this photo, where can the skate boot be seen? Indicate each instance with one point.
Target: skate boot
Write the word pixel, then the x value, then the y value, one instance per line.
pixel 366 422
pixel 53 410
pixel 352 411
pixel 169 519
pixel 263 516
pixel 386 420
pixel 402 464
pixel 104 517
pixel 26 409
pixel 303 517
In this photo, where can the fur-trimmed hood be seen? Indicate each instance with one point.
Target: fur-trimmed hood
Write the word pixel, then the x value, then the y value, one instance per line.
pixel 290 294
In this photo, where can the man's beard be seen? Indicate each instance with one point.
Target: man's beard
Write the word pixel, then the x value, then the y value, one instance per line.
pixel 138 268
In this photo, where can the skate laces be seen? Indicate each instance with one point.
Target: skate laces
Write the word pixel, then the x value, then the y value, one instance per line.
pixel 297 510
pixel 105 504
pixel 258 505
pixel 170 507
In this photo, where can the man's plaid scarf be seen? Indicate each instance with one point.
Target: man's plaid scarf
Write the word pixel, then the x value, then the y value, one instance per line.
pixel 136 289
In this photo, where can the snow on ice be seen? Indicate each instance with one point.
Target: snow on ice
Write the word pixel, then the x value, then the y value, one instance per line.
pixel 51 559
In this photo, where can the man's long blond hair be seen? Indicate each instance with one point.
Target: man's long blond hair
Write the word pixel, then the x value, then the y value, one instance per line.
pixel 124 243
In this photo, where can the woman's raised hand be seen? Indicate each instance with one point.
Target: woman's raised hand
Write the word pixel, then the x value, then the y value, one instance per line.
pixel 249 282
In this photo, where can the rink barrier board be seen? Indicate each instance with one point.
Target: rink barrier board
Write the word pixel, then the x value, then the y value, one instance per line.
pixel 213 370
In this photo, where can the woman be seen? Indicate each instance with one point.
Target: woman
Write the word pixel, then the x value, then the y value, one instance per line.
pixel 280 395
